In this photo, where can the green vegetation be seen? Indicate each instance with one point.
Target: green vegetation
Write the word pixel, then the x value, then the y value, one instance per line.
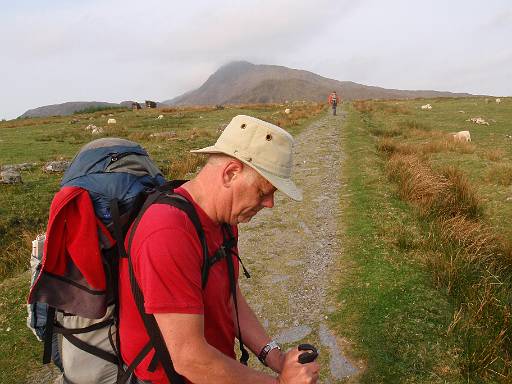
pixel 100 108
pixel 426 289
pixel 24 207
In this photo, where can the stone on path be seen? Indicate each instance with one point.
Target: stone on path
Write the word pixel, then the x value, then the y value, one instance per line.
pixel 293 335
pixel 340 367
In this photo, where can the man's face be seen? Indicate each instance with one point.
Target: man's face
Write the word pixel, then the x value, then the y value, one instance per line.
pixel 251 194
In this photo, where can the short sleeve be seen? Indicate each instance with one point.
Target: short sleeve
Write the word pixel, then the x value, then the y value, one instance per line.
pixel 168 269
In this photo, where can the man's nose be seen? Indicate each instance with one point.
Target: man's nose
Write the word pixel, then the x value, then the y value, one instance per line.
pixel 268 202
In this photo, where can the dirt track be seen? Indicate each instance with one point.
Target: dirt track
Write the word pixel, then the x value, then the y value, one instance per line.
pixel 291 251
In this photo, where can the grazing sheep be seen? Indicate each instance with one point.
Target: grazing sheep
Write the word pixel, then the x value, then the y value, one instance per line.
pixel 97 131
pixel 287 111
pixel 462 136
pixel 498 100
pixel 111 121
pixel 426 107
pixel 478 120
pixel 90 127
pixel 160 117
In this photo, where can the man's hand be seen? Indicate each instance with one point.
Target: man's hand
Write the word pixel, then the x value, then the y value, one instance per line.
pixel 296 373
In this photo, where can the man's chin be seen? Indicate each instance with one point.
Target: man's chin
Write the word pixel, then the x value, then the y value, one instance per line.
pixel 244 219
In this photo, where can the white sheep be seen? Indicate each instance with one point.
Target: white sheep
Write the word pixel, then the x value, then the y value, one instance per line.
pixel 498 100
pixel 111 121
pixel 426 107
pixel 160 117
pixel 462 136
pixel 97 131
pixel 478 120
pixel 287 111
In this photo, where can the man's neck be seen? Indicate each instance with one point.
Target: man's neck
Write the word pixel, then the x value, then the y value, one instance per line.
pixel 203 196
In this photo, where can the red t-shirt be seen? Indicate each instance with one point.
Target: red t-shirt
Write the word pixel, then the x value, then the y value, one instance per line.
pixel 167 259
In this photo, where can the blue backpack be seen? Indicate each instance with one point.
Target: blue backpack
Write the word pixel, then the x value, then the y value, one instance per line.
pixel 78 324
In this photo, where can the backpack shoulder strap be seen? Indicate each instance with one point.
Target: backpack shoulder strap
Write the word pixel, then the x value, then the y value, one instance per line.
pixel 157 340
pixel 186 206
pixel 152 329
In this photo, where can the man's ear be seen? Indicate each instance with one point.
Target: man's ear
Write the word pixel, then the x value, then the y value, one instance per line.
pixel 231 171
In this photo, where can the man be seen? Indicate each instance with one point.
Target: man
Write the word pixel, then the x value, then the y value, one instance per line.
pixel 333 100
pixel 248 163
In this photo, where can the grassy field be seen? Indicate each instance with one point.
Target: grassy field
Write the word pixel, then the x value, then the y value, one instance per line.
pixel 425 290
pixel 24 207
pixel 426 277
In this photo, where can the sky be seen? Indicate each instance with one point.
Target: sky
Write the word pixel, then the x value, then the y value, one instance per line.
pixel 53 51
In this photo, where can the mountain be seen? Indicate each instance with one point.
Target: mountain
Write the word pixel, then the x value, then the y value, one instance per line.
pixel 66 108
pixel 244 82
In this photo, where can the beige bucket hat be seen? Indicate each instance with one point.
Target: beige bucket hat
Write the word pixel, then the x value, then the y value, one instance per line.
pixel 265 147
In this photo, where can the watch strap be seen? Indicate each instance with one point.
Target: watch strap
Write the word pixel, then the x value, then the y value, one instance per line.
pixel 262 356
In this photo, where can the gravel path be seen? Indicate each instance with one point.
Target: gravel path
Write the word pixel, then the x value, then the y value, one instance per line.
pixel 291 251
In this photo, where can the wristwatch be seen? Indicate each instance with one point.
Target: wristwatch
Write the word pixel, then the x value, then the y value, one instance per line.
pixel 266 350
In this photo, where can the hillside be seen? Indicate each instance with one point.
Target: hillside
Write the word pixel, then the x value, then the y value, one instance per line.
pixel 243 82
pixel 68 108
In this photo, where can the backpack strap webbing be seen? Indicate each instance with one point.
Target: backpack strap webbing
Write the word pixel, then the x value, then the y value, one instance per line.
pixel 229 238
pixel 152 329
pixel 48 335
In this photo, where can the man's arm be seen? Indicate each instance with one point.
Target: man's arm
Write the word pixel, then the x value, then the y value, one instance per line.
pixel 254 335
pixel 201 363
pixel 198 361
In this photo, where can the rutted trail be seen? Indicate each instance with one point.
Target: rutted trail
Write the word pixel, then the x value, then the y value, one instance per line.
pixel 291 250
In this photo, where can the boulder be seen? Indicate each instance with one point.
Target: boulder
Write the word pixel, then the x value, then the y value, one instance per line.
pixel 10 176
pixel 18 167
pixel 57 166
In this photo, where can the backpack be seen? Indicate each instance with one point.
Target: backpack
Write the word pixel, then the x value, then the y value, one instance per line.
pixel 73 303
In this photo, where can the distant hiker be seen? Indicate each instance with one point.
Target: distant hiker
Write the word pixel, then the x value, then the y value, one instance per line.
pixel 333 101
pixel 183 257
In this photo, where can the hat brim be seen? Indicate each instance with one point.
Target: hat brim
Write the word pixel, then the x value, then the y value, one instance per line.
pixel 287 186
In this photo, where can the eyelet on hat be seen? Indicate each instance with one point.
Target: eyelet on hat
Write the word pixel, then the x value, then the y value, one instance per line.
pixel 268 137
pixel 243 126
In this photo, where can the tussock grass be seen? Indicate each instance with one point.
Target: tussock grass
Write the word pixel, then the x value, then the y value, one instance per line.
pixel 470 260
pixel 391 132
pixel 396 108
pixel 414 125
pixel 390 147
pixel 442 194
pixel 500 174
pixel 447 144
pixel 186 165
pixel 465 255
pixel 495 154
pixel 364 106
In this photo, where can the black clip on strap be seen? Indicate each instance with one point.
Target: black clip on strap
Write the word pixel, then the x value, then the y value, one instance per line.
pixel 309 356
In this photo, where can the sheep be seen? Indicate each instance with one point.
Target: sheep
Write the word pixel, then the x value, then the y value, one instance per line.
pixel 287 111
pixel 462 136
pixel 160 117
pixel 111 121
pixel 97 131
pixel 478 120
pixel 498 100
pixel 426 107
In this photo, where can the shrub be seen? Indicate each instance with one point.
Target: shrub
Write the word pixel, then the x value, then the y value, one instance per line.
pixel 500 174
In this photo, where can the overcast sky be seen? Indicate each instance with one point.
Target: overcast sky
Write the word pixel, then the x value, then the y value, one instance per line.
pixel 54 51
